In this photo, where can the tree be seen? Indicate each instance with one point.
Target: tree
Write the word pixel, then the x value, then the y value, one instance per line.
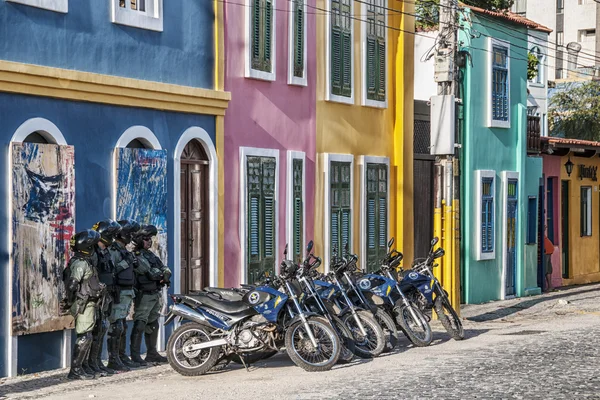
pixel 532 66
pixel 428 11
pixel 575 111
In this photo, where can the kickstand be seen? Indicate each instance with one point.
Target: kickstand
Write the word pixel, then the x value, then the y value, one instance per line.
pixel 243 362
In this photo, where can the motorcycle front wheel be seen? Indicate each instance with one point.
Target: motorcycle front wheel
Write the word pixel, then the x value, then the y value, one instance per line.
pixel 371 344
pixel 348 345
pixel 417 331
pixel 448 318
pixel 390 331
pixel 302 351
pixel 195 362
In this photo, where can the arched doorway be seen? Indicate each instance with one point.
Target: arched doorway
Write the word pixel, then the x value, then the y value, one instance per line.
pixel 194 200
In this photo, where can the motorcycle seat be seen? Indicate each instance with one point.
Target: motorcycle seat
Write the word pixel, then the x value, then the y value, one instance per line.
pixel 226 294
pixel 226 306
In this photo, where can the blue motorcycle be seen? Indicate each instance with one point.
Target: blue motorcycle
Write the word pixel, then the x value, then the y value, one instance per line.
pixel 266 319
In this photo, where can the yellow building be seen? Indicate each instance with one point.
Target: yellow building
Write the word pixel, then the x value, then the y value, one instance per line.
pixel 364 128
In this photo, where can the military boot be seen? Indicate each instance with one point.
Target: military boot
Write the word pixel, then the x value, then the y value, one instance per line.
pixel 151 339
pixel 123 345
pixel 80 351
pixel 114 361
pixel 137 335
pixel 92 361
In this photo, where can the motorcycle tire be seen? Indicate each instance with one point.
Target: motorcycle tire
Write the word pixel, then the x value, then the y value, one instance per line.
pixel 326 333
pixel 184 365
pixel 373 344
pixel 348 345
pixel 392 336
pixel 404 318
pixel 449 319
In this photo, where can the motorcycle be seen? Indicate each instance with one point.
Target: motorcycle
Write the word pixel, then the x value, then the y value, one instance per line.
pixel 265 319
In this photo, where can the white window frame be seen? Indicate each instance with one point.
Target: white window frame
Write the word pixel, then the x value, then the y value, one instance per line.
pixel 363 39
pixel 294 80
pixel 506 176
pixel 249 71
pixel 61 6
pixel 328 158
pixel 245 152
pixel 151 19
pixel 588 232
pixel 492 123
pixel 328 95
pixel 479 175
pixel 289 223
pixel 541 76
pixel 362 166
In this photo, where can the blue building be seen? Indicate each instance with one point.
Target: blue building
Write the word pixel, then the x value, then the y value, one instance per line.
pixel 107 110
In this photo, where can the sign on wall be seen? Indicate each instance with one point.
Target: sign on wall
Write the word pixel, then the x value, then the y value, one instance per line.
pixel 588 172
pixel 43 221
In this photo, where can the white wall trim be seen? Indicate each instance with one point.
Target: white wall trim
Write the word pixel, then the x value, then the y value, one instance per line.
pixel 328 158
pixel 213 197
pixel 143 134
pixel 363 45
pixel 477 253
pixel 249 71
pixel 61 6
pixel 506 175
pixel 289 220
pixel 328 95
pixel 244 153
pixel 362 165
pixel 294 80
pixel 151 19
pixel 490 121
pixel 54 136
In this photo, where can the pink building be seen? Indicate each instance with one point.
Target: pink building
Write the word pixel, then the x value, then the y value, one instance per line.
pixel 270 129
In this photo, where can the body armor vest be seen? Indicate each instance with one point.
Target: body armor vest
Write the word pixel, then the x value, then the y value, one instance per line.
pixel 91 287
pixel 144 283
pixel 126 277
pixel 105 267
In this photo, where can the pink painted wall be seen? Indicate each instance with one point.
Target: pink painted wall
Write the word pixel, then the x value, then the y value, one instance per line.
pixel 552 169
pixel 270 115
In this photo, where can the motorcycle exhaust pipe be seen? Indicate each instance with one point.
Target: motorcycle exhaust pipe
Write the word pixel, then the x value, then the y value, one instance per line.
pixel 188 313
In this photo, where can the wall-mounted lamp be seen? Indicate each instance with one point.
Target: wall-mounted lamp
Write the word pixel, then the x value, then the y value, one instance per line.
pixel 569 166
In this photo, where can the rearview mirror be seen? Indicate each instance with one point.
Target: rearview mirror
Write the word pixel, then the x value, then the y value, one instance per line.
pixel 285 251
pixel 439 253
pixel 434 241
pixel 309 247
pixel 390 243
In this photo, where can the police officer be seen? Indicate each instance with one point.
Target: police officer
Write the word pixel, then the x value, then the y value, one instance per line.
pixel 124 262
pixel 103 263
pixel 83 290
pixel 151 276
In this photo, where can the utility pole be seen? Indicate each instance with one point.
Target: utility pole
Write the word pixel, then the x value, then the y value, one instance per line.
pixel 443 128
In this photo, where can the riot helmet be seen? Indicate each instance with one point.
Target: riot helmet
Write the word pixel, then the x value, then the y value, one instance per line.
pixel 108 229
pixel 83 242
pixel 128 228
pixel 144 234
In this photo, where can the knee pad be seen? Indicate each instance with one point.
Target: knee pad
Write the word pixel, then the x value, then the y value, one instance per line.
pixel 151 327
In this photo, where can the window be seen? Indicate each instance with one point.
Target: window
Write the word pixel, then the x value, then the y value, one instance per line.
pixel 560 4
pixel 61 6
pixel 261 43
pixel 532 220
pixel 296 211
pixel 260 223
pixel 485 214
pixel 560 38
pixel 144 14
pixel 374 53
pixel 586 36
pixel 499 82
pixel 586 211
pixel 297 44
pixel 539 78
pixel 341 218
pixel 340 50
pixel 376 213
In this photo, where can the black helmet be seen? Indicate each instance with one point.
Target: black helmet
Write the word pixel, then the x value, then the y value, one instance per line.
pixel 128 228
pixel 108 229
pixel 83 242
pixel 145 233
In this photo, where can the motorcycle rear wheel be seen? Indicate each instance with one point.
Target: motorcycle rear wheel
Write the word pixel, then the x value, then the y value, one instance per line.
pixel 198 362
pixel 404 318
pixel 448 317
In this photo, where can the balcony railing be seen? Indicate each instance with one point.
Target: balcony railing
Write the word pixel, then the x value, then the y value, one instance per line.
pixel 534 143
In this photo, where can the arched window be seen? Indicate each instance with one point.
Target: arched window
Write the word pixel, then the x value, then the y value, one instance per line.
pixel 36 137
pixel 539 78
pixel 136 144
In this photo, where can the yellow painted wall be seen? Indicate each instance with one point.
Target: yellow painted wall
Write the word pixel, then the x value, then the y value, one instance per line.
pixel 366 131
pixel 584 252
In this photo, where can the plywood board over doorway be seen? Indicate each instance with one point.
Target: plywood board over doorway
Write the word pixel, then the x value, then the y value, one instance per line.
pixel 43 221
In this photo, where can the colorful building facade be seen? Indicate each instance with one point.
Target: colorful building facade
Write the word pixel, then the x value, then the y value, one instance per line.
pixel 92 128
pixel 364 129
pixel 499 182
pixel 270 69
pixel 571 209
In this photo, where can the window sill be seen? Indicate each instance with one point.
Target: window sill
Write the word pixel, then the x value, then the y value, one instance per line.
pixel 295 81
pixel 537 85
pixel 61 6
pixel 499 124
pixel 260 75
pixel 334 98
pixel 136 19
pixel 375 103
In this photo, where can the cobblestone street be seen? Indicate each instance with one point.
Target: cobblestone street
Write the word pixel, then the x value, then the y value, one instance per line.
pixel 542 347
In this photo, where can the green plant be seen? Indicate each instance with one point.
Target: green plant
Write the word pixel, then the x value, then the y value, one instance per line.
pixel 428 11
pixel 575 111
pixel 532 66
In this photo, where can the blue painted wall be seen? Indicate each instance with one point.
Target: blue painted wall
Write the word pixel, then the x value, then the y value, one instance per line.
pixel 499 149
pixel 85 39
pixel 93 130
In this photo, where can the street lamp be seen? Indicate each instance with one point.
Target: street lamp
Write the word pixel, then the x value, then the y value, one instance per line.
pixel 569 166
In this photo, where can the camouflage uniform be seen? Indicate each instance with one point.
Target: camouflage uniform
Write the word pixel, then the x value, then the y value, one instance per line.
pixel 83 308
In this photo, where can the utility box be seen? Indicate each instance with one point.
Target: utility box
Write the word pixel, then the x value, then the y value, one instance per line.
pixel 443 125
pixel 443 66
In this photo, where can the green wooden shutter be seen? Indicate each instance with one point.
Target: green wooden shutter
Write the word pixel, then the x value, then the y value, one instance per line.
pixel 376 48
pixel 377 215
pixel 298 211
pixel 299 38
pixel 256 28
pixel 336 49
pixel 268 35
pixel 371 67
pixel 341 213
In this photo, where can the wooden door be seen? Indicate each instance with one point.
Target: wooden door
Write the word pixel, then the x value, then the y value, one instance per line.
pixel 194 218
pixel 423 204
